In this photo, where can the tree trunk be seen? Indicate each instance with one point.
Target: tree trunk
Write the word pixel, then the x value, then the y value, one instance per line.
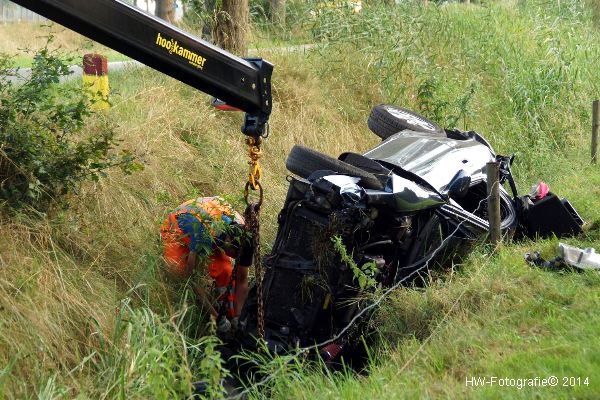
pixel 278 12
pixel 231 27
pixel 165 9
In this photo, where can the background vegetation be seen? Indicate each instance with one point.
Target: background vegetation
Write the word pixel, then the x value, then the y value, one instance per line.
pixel 86 311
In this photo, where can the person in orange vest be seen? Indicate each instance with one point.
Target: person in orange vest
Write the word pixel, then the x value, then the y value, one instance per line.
pixel 208 231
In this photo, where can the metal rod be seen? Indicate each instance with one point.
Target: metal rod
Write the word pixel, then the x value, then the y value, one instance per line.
pixel 493 191
pixel 595 122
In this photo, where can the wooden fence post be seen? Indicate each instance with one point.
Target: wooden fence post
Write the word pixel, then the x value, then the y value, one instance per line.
pixel 95 80
pixel 493 191
pixel 595 122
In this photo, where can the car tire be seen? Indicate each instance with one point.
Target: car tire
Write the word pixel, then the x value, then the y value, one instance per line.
pixel 430 242
pixel 386 120
pixel 303 161
pixel 508 213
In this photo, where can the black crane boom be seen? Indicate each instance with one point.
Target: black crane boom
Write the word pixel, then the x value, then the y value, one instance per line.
pixel 241 83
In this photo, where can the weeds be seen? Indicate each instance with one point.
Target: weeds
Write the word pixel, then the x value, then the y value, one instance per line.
pixel 431 103
pixel 523 75
pixel 149 356
pixel 365 274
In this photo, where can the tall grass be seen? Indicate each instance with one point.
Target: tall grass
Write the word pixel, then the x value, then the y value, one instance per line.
pixel 529 68
pixel 85 309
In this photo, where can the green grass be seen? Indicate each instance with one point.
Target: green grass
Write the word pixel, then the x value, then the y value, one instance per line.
pixel 85 309
pixel 495 317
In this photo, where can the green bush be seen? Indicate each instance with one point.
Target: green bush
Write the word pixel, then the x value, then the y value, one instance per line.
pixel 45 152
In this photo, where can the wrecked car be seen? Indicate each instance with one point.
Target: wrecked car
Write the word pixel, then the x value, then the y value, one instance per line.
pixel 361 221
pixel 380 219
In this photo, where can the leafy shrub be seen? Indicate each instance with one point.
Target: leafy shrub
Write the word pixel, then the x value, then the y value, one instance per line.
pixel 365 274
pixel 432 103
pixel 45 153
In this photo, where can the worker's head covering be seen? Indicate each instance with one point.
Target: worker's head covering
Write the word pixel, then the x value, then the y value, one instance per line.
pixel 214 221
pixel 200 225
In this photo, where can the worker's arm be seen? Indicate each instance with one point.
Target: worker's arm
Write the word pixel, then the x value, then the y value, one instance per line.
pixel 244 259
pixel 204 301
pixel 192 261
pixel 241 289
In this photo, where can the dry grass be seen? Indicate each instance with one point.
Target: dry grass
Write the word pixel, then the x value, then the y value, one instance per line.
pixel 58 277
pixel 17 37
pixel 48 303
pixel 61 280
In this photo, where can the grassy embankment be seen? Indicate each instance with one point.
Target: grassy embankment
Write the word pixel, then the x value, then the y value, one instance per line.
pixel 16 37
pixel 531 71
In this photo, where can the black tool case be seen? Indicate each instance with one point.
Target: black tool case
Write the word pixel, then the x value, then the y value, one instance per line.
pixel 552 216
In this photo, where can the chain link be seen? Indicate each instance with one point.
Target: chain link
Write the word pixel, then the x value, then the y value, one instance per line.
pixel 254 153
pixel 252 217
pixel 253 226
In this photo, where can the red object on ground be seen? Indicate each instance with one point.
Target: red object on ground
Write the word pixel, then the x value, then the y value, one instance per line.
pixel 95 64
pixel 331 351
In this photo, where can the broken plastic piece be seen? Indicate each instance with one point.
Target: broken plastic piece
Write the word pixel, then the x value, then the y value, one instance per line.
pixel 539 191
pixel 330 351
pixel 586 259
pixel 222 106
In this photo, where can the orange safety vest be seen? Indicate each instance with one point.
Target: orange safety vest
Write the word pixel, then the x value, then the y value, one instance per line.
pixel 176 244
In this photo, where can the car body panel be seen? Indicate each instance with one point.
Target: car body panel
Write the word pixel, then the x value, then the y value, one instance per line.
pixel 434 159
pixel 399 194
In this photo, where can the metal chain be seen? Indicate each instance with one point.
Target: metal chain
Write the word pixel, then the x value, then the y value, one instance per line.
pixel 252 217
pixel 255 170
pixel 253 226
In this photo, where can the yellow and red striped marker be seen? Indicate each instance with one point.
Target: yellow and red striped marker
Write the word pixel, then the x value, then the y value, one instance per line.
pixel 95 80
